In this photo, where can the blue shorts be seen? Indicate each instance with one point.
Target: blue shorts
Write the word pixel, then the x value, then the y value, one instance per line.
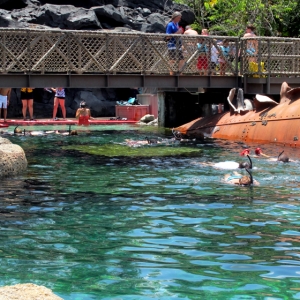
pixel 251 51
pixel 3 101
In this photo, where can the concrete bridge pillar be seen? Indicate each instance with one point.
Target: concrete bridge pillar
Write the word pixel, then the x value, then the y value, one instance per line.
pixel 161 109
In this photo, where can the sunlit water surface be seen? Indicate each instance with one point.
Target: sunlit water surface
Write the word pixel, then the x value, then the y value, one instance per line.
pixel 149 228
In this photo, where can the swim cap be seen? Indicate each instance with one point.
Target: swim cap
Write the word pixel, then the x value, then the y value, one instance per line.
pixel 245 152
pixel 258 151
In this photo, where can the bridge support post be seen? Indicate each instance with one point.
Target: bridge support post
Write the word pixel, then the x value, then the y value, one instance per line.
pixel 161 109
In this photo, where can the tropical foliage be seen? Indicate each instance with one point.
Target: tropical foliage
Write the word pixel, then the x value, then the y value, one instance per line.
pixel 229 17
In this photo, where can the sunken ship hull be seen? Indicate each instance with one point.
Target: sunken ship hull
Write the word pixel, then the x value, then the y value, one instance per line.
pixel 260 120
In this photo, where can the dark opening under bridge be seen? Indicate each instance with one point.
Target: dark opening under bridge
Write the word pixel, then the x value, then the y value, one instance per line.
pixel 98 59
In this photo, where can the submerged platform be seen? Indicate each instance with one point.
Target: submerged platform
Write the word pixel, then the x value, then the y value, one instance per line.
pixel 68 121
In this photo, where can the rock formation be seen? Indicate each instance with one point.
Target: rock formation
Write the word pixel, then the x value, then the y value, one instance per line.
pixel 27 291
pixel 142 15
pixel 12 159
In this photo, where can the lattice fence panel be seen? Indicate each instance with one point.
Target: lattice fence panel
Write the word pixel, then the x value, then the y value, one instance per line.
pixel 88 52
pixel 97 52
pixel 156 55
pixel 280 59
pixel 54 47
pixel 205 55
pixel 274 56
pixel 126 53
pixel 14 54
pixel 190 54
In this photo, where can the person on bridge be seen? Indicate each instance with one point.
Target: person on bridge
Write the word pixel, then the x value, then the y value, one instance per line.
pixel 175 44
pixel 223 57
pixel 190 31
pixel 202 63
pixel 27 102
pixel 4 101
pixel 252 44
pixel 214 54
pixel 59 99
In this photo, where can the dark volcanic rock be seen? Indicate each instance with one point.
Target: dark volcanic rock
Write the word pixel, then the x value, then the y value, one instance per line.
pixel 108 14
pixel 58 16
pixel 141 15
pixel 10 5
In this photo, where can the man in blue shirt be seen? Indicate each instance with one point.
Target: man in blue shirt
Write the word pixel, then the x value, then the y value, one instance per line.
pixel 174 43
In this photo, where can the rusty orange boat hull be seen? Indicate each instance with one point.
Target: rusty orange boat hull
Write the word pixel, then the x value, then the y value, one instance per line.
pixel 276 124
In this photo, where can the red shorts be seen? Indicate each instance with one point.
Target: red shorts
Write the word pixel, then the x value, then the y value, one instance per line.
pixel 84 120
pixel 202 63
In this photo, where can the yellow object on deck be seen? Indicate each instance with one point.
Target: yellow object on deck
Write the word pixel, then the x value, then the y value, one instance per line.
pixel 253 68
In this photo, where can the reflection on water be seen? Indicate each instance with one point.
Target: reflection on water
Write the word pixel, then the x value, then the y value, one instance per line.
pixel 97 227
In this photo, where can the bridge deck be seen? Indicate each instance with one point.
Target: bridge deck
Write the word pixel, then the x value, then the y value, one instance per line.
pixel 79 59
pixel 180 83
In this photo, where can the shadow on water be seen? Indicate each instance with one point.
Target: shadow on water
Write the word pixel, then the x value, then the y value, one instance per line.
pixel 93 218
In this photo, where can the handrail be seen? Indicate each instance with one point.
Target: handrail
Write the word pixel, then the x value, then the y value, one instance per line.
pixel 36 51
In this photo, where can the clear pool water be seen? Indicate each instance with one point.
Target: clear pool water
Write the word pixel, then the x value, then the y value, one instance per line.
pixel 107 227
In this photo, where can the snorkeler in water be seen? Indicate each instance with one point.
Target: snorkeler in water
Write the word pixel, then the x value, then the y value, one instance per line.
pixel 239 179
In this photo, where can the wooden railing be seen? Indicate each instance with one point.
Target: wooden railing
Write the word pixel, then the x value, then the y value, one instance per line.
pixel 93 52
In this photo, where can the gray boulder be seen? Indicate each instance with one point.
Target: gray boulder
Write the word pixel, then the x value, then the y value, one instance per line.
pixel 157 23
pixel 101 102
pixel 110 15
pixel 147 118
pixel 58 16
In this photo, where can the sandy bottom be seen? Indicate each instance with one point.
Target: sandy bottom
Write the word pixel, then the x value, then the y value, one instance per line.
pixel 27 291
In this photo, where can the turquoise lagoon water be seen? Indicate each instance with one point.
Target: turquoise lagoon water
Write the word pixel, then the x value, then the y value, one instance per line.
pixel 99 227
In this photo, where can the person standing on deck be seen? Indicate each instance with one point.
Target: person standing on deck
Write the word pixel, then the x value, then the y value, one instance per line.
pixel 4 101
pixel 59 99
pixel 27 102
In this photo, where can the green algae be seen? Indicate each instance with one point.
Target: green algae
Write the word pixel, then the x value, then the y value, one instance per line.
pixel 110 150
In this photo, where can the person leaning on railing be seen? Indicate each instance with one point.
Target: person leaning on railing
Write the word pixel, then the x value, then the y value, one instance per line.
pixel 175 44
pixel 202 63
pixel 252 52
pixel 252 45
pixel 214 59
pixel 225 49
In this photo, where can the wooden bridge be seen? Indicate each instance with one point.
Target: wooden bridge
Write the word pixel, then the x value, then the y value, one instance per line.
pixel 98 59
